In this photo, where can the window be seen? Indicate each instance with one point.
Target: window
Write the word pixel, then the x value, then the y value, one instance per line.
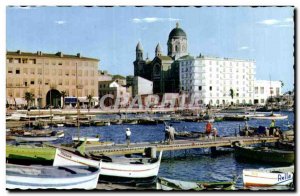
pixel 60 82
pixel 25 82
pixel 39 71
pixel 10 70
pixel 60 63
pixel 262 90
pixel 210 88
pixel 262 101
pixel 59 72
pixel 67 72
pixel 18 71
pixel 200 88
pixel 47 82
pixel 32 71
pixel 46 71
pixel 32 82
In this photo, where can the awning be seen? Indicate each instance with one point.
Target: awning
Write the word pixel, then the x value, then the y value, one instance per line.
pixel 10 101
pixel 83 99
pixel 20 101
pixel 70 100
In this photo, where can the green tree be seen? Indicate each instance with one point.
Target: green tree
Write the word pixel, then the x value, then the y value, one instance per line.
pixel 29 97
pixel 63 94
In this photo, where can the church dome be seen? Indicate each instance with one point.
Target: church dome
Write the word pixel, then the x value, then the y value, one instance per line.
pixel 177 32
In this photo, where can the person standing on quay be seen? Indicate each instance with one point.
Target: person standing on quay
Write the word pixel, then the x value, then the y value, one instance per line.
pixel 171 133
pixel 208 128
pixel 272 127
pixel 167 134
pixel 128 134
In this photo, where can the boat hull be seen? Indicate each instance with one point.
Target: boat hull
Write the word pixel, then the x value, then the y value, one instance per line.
pixel 261 177
pixel 260 155
pixel 30 154
pixel 112 171
pixel 49 177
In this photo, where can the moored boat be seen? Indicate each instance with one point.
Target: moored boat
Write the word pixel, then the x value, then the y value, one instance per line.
pixel 40 138
pixel 268 177
pixel 188 135
pixel 265 154
pixel 40 154
pixel 271 117
pixel 50 177
pixel 171 184
pixel 88 139
pixel 116 170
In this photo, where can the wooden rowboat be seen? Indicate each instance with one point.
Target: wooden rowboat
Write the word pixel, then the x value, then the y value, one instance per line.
pixel 116 170
pixel 265 154
pixel 171 184
pixel 282 176
pixel 88 139
pixel 30 154
pixel 271 117
pixel 49 177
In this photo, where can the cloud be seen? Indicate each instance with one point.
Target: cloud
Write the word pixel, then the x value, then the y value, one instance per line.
pixel 286 22
pixel 243 48
pixel 60 22
pixel 153 19
pixel 289 20
pixel 23 7
pixel 269 22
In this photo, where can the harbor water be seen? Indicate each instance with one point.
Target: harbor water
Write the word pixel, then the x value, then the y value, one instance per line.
pixel 195 164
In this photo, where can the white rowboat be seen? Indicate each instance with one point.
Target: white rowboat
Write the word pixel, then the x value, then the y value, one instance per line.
pixel 268 177
pixel 49 177
pixel 88 139
pixel 271 117
pixel 119 170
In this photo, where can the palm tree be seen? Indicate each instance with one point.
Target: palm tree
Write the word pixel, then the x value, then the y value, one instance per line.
pixel 63 94
pixel 29 97
pixel 89 98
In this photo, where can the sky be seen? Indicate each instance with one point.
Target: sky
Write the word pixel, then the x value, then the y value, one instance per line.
pixel 263 34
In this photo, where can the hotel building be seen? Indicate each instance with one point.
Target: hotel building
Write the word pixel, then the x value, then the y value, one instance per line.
pixel 214 80
pixel 47 75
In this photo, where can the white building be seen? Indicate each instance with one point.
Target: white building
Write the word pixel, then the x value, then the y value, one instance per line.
pixel 142 86
pixel 212 78
pixel 263 89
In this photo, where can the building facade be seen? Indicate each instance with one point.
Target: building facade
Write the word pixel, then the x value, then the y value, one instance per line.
pixel 217 81
pixel 163 70
pixel 115 90
pixel 142 86
pixel 47 75
pixel 264 89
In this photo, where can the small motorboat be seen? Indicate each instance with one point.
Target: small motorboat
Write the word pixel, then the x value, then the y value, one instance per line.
pixel 171 184
pixel 282 176
pixel 114 169
pixel 51 177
